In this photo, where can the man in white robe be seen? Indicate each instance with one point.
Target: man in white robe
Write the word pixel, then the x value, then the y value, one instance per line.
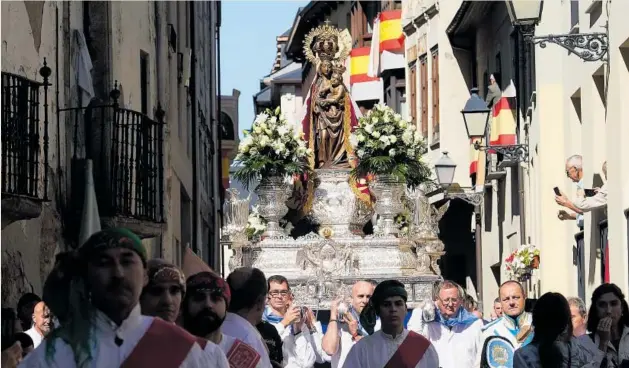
pixel 515 323
pixel 341 335
pixel 162 297
pixel 248 295
pixel 203 313
pixel 95 293
pixel 392 346
pixel 454 332
pixel 301 338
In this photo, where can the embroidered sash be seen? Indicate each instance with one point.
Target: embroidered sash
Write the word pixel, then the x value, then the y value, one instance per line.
pixel 163 345
pixel 410 352
pixel 241 355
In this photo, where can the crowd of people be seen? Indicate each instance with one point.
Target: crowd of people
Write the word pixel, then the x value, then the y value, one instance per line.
pixel 107 305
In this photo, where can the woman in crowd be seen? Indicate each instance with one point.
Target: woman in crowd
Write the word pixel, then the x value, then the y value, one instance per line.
pixel 553 345
pixel 608 320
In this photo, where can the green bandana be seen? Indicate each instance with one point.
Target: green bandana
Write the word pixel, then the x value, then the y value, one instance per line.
pixel 119 237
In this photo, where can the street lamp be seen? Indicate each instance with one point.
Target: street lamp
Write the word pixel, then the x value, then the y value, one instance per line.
pixel 444 168
pixel 526 14
pixel 476 117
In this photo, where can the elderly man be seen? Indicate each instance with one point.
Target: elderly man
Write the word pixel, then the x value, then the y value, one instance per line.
pixel 95 292
pixel 41 324
pixel 585 203
pixel 515 323
pixel 203 313
pixel 574 171
pixel 342 334
pixel 451 328
pixel 579 316
pixel 301 335
pixel 248 295
pixel 392 346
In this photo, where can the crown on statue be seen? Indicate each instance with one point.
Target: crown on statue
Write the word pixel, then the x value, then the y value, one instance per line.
pixel 326 43
pixel 338 68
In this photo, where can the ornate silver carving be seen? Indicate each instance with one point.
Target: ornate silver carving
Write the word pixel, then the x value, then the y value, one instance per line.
pixel 273 192
pixel 335 206
pixel 388 192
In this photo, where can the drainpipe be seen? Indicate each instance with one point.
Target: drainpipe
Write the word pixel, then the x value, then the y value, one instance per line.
pixel 218 198
pixel 192 88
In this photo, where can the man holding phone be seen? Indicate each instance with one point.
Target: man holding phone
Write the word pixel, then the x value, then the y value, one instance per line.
pixel 587 199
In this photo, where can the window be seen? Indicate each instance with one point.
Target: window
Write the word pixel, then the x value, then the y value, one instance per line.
pixel 402 106
pixel 423 80
pixel 413 84
pixel 435 95
pixel 144 82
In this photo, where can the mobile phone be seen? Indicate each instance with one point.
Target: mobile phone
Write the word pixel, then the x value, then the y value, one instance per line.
pixel 557 191
pixel 589 192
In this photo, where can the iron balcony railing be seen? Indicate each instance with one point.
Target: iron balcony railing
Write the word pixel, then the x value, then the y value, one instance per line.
pixel 25 139
pixel 126 147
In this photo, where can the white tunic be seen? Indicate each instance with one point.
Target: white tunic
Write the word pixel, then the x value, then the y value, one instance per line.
pixel 35 336
pixel 216 355
pixel 457 346
pixel 238 327
pixel 105 352
pixel 345 344
pixel 376 350
pixel 226 344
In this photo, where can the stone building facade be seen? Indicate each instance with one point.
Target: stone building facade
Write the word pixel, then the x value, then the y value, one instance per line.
pixel 147 91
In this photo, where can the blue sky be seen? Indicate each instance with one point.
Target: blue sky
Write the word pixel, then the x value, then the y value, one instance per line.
pixel 248 46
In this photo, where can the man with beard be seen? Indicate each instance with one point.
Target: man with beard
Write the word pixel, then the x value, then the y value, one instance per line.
pixel 94 291
pixel 393 346
pixel 162 298
pixel 342 334
pixel 515 323
pixel 204 310
pixel 41 324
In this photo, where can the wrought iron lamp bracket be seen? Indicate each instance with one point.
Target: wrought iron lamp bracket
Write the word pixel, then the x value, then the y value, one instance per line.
pixel 588 46
pixel 473 198
pixel 514 152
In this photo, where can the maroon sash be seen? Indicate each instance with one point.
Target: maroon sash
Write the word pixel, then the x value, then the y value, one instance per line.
pixel 163 345
pixel 241 355
pixel 202 342
pixel 410 352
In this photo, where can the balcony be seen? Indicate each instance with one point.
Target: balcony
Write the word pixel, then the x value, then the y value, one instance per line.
pixel 25 142
pixel 126 148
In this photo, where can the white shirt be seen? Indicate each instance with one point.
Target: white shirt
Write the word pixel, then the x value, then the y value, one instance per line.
pixel 457 346
pixel 216 355
pixel 345 344
pixel 238 327
pixel 105 352
pixel 301 350
pixel 376 350
pixel 226 344
pixel 35 336
pixel 587 204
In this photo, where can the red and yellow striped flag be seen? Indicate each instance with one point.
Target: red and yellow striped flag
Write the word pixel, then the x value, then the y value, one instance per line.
pixel 503 126
pixel 359 64
pixel 391 34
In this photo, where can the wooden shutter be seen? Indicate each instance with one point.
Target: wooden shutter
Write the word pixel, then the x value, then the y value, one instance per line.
pixel 413 94
pixel 435 95
pixel 423 75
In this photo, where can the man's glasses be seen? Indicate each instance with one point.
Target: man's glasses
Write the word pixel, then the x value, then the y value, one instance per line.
pixel 569 170
pixel 449 301
pixel 276 293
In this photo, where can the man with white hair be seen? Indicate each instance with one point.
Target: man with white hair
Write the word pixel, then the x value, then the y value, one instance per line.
pixel 574 171
pixel 450 327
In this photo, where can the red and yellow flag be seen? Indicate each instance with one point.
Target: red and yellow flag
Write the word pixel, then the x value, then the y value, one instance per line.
pixel 502 131
pixel 391 34
pixel 359 65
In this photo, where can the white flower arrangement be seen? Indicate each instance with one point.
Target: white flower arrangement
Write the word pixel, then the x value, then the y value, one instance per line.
pixel 386 144
pixel 271 148
pixel 522 261
pixel 256 224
